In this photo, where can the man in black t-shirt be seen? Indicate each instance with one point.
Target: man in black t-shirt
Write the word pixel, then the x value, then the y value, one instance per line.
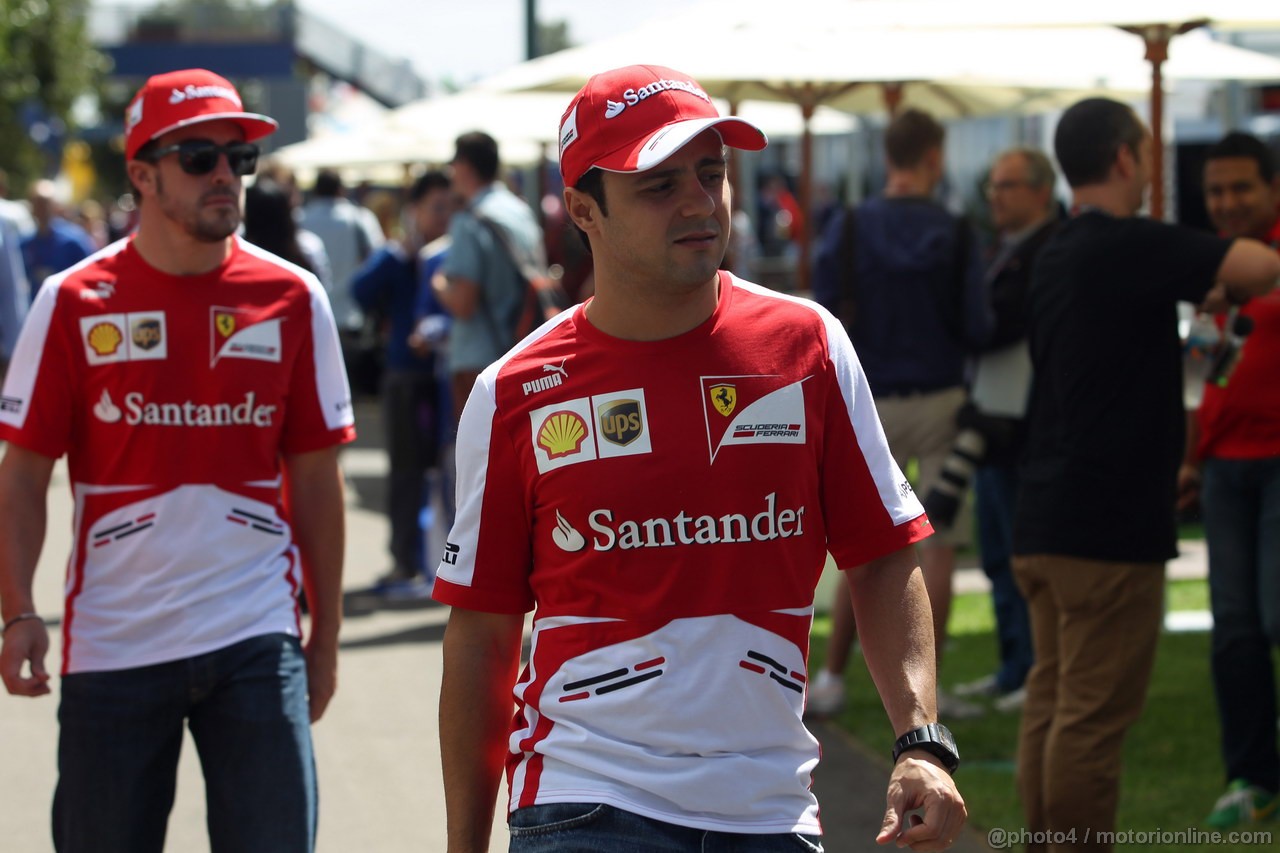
pixel 1095 519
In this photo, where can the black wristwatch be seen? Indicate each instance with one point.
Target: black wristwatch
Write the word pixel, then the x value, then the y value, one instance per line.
pixel 934 739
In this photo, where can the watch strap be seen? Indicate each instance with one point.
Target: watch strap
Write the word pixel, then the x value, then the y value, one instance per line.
pixel 934 738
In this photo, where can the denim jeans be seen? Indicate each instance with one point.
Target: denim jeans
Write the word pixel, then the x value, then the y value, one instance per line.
pixel 121 733
pixel 995 490
pixel 1241 500
pixel 591 827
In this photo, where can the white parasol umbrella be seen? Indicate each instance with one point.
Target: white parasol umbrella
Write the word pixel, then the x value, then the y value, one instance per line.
pixel 525 126
pixel 875 56
pixel 1156 22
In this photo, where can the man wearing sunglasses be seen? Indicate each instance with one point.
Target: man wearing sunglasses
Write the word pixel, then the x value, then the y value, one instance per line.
pixel 188 376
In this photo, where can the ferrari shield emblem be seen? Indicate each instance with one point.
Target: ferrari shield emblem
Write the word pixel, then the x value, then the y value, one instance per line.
pixel 226 324
pixel 724 398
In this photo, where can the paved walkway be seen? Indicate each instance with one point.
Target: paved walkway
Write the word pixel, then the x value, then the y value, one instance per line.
pixel 379 768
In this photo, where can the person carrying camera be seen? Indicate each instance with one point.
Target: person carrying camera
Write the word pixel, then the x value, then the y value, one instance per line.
pixel 1025 214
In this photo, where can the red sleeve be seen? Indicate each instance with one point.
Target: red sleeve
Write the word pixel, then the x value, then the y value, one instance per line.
pixel 36 406
pixel 319 414
pixel 869 507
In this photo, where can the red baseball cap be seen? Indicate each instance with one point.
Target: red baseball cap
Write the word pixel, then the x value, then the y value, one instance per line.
pixel 169 101
pixel 631 119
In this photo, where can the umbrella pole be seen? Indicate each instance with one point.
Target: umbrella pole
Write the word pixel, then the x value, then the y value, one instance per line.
pixel 806 195
pixel 892 93
pixel 1157 38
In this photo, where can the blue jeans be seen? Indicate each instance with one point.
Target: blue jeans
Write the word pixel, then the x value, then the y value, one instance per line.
pixel 121 732
pixel 995 490
pixel 591 827
pixel 1241 500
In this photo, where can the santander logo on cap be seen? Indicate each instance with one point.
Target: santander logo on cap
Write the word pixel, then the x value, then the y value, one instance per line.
pixel 630 119
pixel 634 96
pixel 177 99
pixel 224 92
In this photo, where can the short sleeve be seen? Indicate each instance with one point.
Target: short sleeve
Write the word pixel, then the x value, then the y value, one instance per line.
pixel 466 254
pixel 36 404
pixel 320 414
pixel 1175 263
pixel 869 507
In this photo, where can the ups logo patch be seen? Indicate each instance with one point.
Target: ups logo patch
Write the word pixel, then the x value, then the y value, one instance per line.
pixel 621 422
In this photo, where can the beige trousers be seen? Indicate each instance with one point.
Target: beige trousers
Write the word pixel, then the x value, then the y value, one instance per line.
pixel 1094 625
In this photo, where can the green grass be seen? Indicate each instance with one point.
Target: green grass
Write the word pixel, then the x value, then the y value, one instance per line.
pixel 1172 771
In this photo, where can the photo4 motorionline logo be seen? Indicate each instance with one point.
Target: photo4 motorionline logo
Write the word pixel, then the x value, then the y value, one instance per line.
pixel 1006 839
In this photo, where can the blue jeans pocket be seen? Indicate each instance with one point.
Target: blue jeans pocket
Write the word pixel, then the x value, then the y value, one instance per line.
pixel 554 817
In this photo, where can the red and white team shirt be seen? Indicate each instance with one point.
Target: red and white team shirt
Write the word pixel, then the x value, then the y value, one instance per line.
pixel 668 507
pixel 174 398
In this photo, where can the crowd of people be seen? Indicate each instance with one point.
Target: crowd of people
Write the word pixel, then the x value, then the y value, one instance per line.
pixel 195 358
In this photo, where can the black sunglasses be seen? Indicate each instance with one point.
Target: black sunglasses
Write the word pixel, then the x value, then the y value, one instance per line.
pixel 200 156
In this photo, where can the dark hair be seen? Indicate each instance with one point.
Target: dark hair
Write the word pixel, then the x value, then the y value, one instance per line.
pixel 910 136
pixel 328 184
pixel 145 154
pixel 1089 136
pixel 426 182
pixel 1245 146
pixel 269 222
pixel 479 150
pixel 591 183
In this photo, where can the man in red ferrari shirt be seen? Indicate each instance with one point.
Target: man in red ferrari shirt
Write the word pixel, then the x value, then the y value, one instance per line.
pixel 185 374
pixel 1234 459
pixel 659 474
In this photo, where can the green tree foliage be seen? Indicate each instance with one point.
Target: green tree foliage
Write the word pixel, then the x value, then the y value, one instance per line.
pixel 46 63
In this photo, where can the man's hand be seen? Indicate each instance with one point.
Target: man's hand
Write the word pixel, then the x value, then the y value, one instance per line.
pixel 25 642
pixel 1188 486
pixel 920 782
pixel 1217 300
pixel 322 676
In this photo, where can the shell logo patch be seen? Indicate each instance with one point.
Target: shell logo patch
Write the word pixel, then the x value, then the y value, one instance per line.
pixel 585 429
pixel 105 338
pixel 562 434
pixel 106 342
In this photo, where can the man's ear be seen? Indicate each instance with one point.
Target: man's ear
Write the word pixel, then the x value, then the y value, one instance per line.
pixel 1126 162
pixel 142 176
pixel 581 209
pixel 934 159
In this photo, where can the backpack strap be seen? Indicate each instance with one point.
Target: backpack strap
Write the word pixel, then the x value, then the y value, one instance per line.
pixel 501 342
pixel 543 297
